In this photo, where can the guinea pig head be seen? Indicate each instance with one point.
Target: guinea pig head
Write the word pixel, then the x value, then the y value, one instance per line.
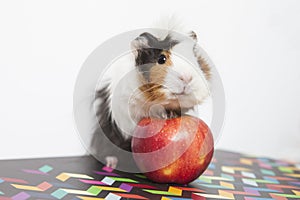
pixel 167 77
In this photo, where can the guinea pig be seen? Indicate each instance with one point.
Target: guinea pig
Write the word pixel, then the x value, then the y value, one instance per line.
pixel 165 75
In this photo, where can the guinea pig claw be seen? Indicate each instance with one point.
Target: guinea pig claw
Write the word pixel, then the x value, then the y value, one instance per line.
pixel 164 115
pixel 111 161
pixel 172 115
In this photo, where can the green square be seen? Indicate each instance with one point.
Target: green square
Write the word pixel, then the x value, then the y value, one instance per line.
pixel 59 194
pixel 94 190
pixel 267 172
pixel 46 168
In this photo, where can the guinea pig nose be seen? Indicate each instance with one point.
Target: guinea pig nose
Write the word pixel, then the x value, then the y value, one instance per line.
pixel 186 78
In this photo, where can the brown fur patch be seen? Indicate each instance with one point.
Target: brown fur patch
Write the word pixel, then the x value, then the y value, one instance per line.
pixel 159 71
pixel 168 61
pixel 152 91
pixel 204 67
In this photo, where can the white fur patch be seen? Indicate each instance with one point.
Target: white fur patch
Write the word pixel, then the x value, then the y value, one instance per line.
pixel 185 64
pixel 124 83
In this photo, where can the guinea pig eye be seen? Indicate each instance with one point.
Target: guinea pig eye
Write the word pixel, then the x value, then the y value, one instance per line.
pixel 162 59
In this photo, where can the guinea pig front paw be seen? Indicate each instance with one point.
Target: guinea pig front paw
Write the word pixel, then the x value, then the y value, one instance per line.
pixel 172 114
pixel 111 161
pixel 158 111
pixel 164 115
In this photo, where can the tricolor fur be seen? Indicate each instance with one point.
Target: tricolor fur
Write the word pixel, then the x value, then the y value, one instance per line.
pixel 163 74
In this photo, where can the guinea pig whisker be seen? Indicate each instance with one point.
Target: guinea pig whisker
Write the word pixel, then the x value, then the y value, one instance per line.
pixel 155 86
pixel 140 93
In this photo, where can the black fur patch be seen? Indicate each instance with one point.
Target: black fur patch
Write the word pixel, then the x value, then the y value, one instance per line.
pixel 107 128
pixel 147 56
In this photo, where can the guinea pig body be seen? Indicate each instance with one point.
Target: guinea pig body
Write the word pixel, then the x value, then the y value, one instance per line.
pixel 164 76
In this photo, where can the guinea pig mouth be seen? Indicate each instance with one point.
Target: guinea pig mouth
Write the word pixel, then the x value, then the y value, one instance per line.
pixel 185 91
pixel 179 93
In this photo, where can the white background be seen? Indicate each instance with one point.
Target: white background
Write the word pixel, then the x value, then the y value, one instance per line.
pixel 255 46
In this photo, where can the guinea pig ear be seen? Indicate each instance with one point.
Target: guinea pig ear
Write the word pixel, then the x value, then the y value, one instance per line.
pixel 143 41
pixel 193 35
pixel 139 43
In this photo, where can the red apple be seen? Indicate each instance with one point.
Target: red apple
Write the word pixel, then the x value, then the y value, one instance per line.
pixel 176 150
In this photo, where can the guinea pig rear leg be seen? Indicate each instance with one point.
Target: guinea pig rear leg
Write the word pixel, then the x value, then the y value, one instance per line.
pixel 111 161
